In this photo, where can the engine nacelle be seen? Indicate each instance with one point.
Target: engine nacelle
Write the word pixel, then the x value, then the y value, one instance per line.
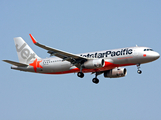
pixel 94 63
pixel 115 73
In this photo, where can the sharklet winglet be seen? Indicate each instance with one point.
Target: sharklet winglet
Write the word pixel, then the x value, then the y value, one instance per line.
pixel 33 39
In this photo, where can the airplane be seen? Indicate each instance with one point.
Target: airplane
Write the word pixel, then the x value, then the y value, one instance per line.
pixel 107 62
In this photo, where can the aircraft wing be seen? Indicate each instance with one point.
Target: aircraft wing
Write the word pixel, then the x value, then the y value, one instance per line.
pixel 16 63
pixel 59 53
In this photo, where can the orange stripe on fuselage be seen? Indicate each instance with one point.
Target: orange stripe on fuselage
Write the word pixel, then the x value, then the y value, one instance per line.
pixel 108 66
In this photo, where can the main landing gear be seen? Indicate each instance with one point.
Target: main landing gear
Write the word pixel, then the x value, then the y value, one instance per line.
pixel 94 80
pixel 80 74
pixel 138 67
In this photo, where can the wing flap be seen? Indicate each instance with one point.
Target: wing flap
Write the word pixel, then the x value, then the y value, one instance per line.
pixel 16 63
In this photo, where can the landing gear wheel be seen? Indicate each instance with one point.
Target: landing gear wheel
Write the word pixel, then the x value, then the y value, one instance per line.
pixel 139 71
pixel 80 74
pixel 95 80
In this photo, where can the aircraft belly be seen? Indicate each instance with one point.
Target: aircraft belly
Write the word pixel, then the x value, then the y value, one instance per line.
pixel 27 69
pixel 58 67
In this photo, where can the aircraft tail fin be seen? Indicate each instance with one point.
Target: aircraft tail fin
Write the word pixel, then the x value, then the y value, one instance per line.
pixel 24 52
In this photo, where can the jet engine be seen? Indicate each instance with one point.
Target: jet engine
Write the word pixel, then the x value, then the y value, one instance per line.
pixel 94 63
pixel 115 73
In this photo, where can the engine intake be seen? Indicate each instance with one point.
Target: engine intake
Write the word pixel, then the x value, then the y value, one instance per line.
pixel 115 73
pixel 94 63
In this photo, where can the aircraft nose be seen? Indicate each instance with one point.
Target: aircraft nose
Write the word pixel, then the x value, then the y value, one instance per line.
pixel 155 55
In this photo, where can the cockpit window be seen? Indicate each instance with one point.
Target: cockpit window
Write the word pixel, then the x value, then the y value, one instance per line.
pixel 148 49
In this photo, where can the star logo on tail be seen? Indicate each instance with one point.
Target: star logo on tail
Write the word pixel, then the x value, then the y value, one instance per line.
pixel 36 64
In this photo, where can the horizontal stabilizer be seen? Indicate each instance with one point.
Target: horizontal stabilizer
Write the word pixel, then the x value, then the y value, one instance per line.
pixel 16 63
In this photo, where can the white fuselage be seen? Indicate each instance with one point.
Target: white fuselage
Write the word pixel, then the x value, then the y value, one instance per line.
pixel 113 58
pixel 107 62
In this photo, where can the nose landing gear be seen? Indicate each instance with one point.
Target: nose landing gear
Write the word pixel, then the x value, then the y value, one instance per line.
pixel 139 71
pixel 138 67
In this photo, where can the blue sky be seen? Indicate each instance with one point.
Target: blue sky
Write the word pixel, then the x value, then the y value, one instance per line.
pixel 77 27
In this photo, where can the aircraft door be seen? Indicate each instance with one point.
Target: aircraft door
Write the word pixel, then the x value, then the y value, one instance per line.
pixel 135 56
